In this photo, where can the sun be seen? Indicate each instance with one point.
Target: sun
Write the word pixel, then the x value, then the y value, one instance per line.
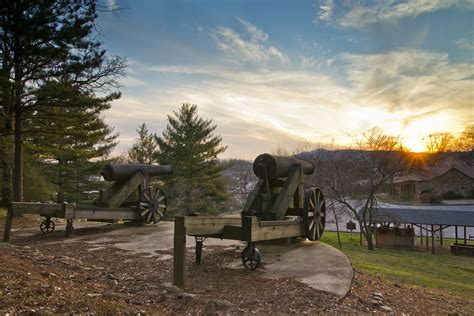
pixel 414 144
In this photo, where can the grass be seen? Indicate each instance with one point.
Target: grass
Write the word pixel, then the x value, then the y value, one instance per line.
pixel 440 271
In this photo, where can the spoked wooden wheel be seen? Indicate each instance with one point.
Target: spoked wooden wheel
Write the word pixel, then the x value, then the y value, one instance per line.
pixel 47 226
pixel 153 205
pixel 314 214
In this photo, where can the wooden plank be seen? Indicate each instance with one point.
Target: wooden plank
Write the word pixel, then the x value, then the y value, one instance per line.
pixel 232 232
pixel 179 251
pixel 117 213
pixel 200 225
pixel 122 193
pixel 254 230
pixel 252 195
pixel 43 209
pixel 287 192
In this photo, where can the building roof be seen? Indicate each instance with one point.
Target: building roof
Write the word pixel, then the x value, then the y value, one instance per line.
pixel 434 172
pixel 425 215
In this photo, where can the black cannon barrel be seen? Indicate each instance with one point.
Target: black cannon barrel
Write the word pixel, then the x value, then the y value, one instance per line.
pixel 278 166
pixel 117 172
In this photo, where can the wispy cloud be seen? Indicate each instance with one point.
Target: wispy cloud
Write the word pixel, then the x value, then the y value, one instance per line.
pixel 465 43
pixel 353 14
pixel 251 46
pixel 409 79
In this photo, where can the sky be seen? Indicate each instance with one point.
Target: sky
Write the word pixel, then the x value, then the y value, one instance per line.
pixel 282 73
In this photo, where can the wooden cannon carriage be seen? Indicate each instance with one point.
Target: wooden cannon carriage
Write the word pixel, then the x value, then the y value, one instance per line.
pixel 130 197
pixel 278 207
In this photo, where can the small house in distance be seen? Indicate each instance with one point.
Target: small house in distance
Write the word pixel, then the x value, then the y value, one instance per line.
pixel 445 182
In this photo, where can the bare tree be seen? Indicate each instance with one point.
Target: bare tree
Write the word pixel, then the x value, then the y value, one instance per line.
pixel 465 141
pixel 352 178
pixel 439 142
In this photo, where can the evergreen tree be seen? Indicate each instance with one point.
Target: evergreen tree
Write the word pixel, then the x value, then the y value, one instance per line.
pixel 145 147
pixel 71 141
pixel 189 144
pixel 41 42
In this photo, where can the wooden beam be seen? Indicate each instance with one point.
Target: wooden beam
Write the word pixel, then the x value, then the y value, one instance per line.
pixel 254 230
pixel 113 213
pixel 123 192
pixel 252 195
pixel 179 251
pixel 200 225
pixel 43 209
pixel 287 192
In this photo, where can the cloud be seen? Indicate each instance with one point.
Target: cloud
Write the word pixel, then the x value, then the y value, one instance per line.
pixel 250 47
pixel 410 80
pixel 353 14
pixel 465 43
pixel 408 92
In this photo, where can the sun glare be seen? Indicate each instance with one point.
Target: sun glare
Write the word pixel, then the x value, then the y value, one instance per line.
pixel 414 145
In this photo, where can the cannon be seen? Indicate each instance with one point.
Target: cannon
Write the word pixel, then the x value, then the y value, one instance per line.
pixel 151 203
pixel 130 197
pixel 120 172
pixel 280 194
pixel 278 207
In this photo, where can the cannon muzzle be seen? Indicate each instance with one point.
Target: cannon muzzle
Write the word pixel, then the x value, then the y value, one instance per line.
pixel 118 172
pixel 273 167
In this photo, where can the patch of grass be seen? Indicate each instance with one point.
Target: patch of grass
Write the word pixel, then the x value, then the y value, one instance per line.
pixel 439 271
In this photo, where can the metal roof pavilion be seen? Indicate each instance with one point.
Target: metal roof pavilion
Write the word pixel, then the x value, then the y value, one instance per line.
pixel 434 216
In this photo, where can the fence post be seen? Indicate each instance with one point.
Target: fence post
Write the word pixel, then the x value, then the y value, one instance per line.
pixel 179 252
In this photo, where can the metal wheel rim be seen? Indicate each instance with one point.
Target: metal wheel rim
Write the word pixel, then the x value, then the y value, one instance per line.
pixel 251 259
pixel 47 229
pixel 314 214
pixel 153 205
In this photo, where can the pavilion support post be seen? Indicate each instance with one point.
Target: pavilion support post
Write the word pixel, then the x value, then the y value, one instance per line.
pixel 421 234
pixel 432 239
pixel 465 235
pixel 456 239
pixel 441 235
pixel 427 238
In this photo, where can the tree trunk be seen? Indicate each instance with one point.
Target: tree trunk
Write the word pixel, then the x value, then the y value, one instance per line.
pixel 18 171
pixel 337 226
pixel 6 155
pixel 18 175
pixel 370 244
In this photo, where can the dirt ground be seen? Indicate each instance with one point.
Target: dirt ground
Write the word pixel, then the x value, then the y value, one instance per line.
pixel 38 277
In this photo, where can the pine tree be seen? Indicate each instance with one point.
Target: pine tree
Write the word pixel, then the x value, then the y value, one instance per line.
pixel 145 147
pixel 71 141
pixel 42 42
pixel 189 144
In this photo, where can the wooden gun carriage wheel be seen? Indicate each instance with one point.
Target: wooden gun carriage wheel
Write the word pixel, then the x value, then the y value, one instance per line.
pixel 152 205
